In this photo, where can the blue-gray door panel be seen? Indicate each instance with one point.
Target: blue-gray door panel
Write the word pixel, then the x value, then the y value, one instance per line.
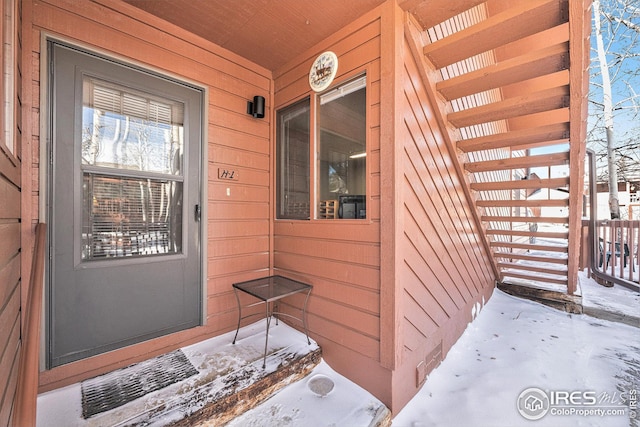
pixel 99 305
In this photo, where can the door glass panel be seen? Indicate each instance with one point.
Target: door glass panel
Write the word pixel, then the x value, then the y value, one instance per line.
pixel 129 216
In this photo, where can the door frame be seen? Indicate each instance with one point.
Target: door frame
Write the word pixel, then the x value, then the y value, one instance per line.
pixel 46 162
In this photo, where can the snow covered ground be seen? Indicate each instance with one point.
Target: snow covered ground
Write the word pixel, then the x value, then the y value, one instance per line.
pixel 333 401
pixel 515 345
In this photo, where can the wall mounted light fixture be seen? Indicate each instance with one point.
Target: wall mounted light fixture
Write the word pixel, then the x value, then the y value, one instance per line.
pixel 256 108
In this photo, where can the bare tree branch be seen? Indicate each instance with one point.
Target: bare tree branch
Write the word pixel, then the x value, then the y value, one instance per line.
pixel 630 25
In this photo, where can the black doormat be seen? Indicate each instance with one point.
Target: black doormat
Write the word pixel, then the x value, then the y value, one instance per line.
pixel 116 388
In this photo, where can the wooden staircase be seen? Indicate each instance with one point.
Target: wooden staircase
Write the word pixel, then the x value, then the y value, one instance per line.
pixel 508 78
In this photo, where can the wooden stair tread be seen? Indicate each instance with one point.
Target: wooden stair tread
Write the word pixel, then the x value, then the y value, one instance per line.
pixel 524 162
pixel 554 133
pixel 534 258
pixel 521 184
pixel 523 203
pixel 531 103
pixel 519 21
pixel 534 278
pixel 523 233
pixel 534 268
pixel 526 219
pixel 528 246
pixel 530 65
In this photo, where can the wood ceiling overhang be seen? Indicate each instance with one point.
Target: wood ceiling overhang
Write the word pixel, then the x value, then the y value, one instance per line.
pixel 269 33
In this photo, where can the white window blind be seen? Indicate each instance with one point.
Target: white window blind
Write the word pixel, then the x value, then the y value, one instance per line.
pixel 126 217
pixel 127 129
pixel 343 90
pixel 100 95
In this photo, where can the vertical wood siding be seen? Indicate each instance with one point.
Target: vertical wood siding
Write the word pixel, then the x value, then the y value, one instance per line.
pixel 10 240
pixel 238 212
pixel 340 258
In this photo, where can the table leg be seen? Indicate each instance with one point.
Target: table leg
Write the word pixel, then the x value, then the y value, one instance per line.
pixel 304 316
pixel 266 337
pixel 235 291
pixel 276 307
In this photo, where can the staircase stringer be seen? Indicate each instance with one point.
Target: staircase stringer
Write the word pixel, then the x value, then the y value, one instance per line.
pixel 428 75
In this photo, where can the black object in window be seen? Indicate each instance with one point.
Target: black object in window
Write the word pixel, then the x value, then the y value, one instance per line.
pixel 353 207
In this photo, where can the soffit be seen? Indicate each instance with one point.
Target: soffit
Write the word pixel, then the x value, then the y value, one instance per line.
pixel 268 32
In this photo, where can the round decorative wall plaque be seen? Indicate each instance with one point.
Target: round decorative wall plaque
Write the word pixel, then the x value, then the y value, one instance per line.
pixel 323 71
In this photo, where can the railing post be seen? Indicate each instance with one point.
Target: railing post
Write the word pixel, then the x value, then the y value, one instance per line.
pixel 24 413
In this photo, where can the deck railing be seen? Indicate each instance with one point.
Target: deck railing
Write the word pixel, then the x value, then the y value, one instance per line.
pixel 615 252
pixel 27 391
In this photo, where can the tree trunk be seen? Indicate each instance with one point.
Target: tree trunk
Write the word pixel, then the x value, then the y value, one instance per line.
pixel 614 204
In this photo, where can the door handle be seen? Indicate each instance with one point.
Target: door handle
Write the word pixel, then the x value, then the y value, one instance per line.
pixel 197 213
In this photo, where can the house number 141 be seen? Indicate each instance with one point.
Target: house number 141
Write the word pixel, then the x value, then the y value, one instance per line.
pixel 228 174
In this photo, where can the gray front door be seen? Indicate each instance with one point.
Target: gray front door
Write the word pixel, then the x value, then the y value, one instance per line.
pixel 124 206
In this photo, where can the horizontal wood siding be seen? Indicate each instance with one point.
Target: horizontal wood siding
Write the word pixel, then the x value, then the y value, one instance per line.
pixel 445 269
pixel 340 258
pixel 10 288
pixel 10 235
pixel 238 211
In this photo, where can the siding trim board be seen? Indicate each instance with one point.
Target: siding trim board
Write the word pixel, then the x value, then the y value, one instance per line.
pixel 390 174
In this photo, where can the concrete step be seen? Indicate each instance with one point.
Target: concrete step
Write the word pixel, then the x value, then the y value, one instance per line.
pixel 227 383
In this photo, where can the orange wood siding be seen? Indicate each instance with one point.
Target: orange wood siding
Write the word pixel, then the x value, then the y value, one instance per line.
pixel 444 270
pixel 10 236
pixel 9 296
pixel 238 212
pixel 340 258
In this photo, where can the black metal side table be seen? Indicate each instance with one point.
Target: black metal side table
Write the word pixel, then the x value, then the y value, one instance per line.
pixel 269 290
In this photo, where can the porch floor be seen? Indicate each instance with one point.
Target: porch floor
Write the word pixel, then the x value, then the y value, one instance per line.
pixel 229 381
pixel 616 303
